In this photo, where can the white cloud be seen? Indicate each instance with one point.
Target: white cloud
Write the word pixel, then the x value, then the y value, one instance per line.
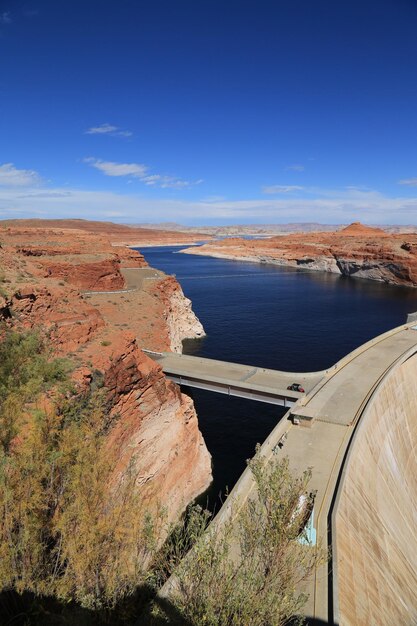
pixel 151 180
pixel 412 182
pixel 110 168
pixel 104 129
pixel 138 170
pixel 22 196
pixel 296 167
pixel 108 129
pixel 281 188
pixel 10 176
pixel 175 183
pixel 5 17
pixel 337 206
pixel 46 194
pixel 165 182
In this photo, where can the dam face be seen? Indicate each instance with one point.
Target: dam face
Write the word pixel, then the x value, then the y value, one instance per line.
pixel 375 517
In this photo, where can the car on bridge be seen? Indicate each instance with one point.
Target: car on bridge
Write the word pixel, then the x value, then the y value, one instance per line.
pixel 296 387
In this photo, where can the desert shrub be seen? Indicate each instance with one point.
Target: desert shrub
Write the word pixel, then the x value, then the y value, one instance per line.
pixel 25 371
pixel 69 528
pixel 249 570
pixel 3 292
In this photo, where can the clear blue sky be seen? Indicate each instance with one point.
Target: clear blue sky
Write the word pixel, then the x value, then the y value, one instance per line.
pixel 207 111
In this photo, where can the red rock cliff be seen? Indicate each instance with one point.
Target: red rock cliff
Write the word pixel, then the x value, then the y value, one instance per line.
pixel 358 251
pixel 157 427
pixel 152 424
pixel 181 321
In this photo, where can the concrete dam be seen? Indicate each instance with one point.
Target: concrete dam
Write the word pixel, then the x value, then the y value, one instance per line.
pixel 375 516
pixel 357 430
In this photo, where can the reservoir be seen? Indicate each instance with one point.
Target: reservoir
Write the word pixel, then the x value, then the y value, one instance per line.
pixel 272 317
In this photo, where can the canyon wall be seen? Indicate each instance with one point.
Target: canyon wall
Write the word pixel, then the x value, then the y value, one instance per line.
pixel 375 521
pixel 98 275
pixel 152 425
pixel 155 429
pixel 182 322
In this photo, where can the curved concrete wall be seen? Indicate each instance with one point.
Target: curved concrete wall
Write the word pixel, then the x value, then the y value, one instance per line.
pixel 375 517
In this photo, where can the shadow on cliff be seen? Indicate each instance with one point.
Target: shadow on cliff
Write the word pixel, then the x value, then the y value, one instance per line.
pixel 27 609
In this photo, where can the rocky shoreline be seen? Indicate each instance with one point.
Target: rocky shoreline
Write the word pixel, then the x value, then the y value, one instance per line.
pixel 356 251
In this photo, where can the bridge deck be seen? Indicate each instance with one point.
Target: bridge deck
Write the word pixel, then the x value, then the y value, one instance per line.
pixel 256 383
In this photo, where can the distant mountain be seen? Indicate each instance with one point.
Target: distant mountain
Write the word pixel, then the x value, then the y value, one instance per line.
pixel 242 229
pixel 265 229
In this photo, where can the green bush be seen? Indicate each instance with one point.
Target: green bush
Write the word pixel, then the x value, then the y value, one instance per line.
pixel 3 292
pixel 248 571
pixel 68 528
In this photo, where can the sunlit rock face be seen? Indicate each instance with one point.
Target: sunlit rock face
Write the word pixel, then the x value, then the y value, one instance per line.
pixel 357 251
pixel 156 426
pixel 152 426
pixel 181 320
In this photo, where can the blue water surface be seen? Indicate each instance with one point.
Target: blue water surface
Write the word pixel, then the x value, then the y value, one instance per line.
pixel 272 317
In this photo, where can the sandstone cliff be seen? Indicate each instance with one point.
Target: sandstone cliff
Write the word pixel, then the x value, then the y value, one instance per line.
pixel 156 426
pixel 357 251
pixel 123 306
pixel 181 320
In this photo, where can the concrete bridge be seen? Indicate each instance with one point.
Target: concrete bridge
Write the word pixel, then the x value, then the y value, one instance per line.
pixel 233 379
pixel 356 427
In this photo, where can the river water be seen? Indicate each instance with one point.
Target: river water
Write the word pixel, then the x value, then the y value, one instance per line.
pixel 276 318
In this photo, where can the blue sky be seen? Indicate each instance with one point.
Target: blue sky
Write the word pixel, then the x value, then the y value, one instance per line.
pixel 209 112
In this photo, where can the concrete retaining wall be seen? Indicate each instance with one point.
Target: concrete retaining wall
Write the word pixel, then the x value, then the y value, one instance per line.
pixel 375 519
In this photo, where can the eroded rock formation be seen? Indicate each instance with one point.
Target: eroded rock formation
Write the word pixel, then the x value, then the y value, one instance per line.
pixel 46 276
pixel 358 251
pixel 155 426
pixel 181 320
